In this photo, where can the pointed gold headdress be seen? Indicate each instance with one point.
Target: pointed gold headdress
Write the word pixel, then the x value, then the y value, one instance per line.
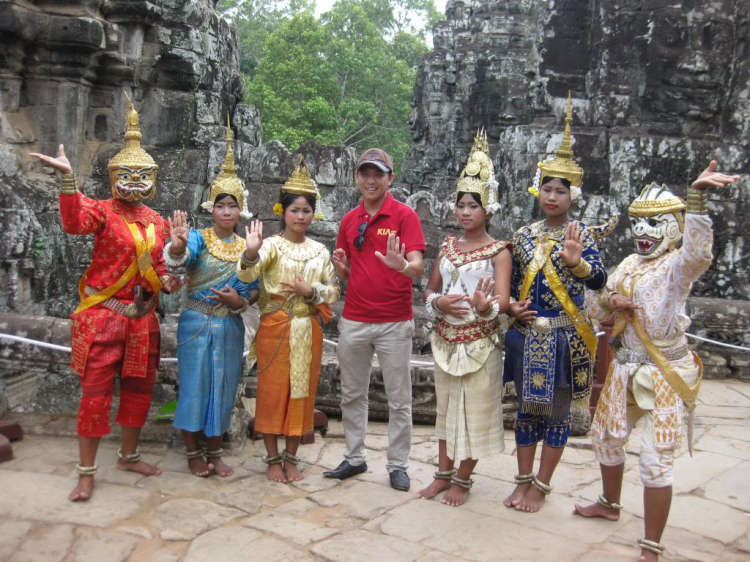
pixel 134 159
pixel 479 174
pixel 562 164
pixel 228 182
pixel 301 183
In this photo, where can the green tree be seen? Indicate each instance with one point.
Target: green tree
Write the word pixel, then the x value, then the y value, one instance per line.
pixel 345 78
pixel 255 21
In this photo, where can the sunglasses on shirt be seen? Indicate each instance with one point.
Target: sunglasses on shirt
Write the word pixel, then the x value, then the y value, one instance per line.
pixel 360 240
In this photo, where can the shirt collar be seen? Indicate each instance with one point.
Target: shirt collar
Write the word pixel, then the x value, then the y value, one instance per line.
pixel 386 209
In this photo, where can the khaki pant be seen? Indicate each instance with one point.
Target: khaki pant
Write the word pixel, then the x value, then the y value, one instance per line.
pixel 392 341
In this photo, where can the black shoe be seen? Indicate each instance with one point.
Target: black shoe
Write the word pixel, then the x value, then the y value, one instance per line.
pixel 400 480
pixel 346 470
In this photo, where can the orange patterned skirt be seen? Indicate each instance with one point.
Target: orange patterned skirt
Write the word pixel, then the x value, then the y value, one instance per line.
pixel 276 413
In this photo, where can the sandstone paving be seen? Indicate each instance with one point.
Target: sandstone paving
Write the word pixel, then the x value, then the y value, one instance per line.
pixel 185 519
pixel 50 543
pixel 473 536
pixel 12 533
pixel 364 500
pixel 732 487
pixel 44 498
pixel 247 517
pixel 236 544
pixel 722 395
pixel 362 546
pixel 728 447
pixel 741 432
pixel 690 472
pixel 96 545
pixel 287 527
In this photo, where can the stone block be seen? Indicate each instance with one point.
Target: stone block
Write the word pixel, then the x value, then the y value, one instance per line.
pixel 185 519
pixel 236 543
pixel 361 546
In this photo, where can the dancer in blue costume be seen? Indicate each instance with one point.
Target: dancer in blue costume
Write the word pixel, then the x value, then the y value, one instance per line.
pixel 211 334
pixel 550 350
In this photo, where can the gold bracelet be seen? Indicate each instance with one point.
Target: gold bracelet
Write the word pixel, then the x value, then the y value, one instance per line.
pixel 68 184
pixel 696 201
pixel 582 269
pixel 604 302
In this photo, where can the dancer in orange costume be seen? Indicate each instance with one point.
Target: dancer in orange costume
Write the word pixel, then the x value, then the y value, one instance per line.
pixel 115 327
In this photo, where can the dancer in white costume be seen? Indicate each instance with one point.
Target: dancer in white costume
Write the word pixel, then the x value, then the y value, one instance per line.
pixel 654 375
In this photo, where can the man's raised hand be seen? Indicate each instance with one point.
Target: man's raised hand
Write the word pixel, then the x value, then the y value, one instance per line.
pixel 61 163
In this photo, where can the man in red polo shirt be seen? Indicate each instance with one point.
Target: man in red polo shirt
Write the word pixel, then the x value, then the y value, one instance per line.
pixel 378 251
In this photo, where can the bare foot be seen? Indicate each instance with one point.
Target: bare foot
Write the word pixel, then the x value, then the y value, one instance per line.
pixel 139 467
pixel 531 502
pixel 221 468
pixel 276 473
pixel 455 496
pixel 515 498
pixel 648 556
pixel 293 473
pixel 200 468
pixel 84 490
pixel 596 510
pixel 437 486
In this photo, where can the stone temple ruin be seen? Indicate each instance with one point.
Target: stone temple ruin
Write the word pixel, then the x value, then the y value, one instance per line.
pixel 659 88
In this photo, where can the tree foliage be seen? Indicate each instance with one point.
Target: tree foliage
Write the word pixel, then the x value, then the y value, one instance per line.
pixel 344 78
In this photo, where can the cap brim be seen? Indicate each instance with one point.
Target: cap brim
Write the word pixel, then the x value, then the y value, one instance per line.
pixel 380 165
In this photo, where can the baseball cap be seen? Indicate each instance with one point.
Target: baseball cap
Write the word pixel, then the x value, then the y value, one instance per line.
pixel 377 157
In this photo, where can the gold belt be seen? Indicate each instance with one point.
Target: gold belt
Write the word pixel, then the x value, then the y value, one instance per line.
pixel 208 309
pixel 543 325
pixel 130 310
pixel 294 307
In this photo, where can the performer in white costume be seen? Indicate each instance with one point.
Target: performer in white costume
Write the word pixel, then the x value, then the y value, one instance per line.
pixel 654 375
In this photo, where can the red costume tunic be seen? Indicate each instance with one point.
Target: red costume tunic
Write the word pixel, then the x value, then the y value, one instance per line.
pixel 105 341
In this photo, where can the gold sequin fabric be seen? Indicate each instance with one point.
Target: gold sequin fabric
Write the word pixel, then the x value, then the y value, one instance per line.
pixel 280 261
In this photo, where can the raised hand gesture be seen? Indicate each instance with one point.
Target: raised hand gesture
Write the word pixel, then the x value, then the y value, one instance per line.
pixel 227 296
pixel 340 264
pixel 395 255
pixel 711 178
pixel 299 288
pixel 61 163
pixel 521 311
pixel 452 305
pixel 178 232
pixel 253 239
pixel 573 244
pixel 481 299
pixel 624 304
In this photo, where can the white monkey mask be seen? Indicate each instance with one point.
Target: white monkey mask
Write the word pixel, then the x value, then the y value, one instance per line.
pixel 657 220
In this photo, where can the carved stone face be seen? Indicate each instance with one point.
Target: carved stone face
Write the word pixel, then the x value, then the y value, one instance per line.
pixel 134 184
pixel 656 234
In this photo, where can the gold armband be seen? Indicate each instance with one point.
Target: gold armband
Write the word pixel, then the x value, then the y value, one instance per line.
pixel 696 201
pixel 68 184
pixel 582 269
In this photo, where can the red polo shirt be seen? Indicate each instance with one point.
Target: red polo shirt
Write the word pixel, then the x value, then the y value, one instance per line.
pixel 376 293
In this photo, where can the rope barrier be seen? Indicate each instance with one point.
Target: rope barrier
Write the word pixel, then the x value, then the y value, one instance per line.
pixel 65 349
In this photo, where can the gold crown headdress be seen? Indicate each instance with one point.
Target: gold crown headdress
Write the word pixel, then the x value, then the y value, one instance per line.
pixel 479 174
pixel 562 164
pixel 656 199
pixel 228 182
pixel 133 155
pixel 301 183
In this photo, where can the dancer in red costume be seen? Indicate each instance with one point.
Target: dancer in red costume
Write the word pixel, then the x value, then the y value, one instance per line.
pixel 115 327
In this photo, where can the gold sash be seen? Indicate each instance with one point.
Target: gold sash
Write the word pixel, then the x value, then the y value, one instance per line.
pixel 143 264
pixel 542 261
pixel 688 394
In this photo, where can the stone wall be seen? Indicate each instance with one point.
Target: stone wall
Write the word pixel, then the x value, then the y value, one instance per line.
pixel 64 68
pixel 659 87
